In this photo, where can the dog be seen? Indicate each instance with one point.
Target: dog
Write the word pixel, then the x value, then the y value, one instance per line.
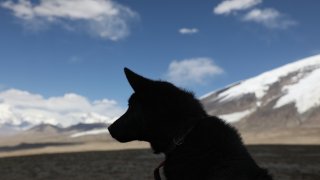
pixel 196 146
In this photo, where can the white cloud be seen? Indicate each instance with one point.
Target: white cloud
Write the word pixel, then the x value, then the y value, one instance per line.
pixel 21 107
pixel 269 17
pixel 192 71
pixel 188 30
pixel 229 6
pixel 103 18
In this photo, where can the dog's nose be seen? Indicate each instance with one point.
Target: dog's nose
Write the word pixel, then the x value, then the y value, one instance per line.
pixel 110 129
pixel 114 132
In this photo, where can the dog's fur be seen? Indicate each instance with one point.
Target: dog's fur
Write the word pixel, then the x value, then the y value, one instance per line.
pixel 207 147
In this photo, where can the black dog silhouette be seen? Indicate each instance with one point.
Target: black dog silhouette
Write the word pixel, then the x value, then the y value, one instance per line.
pixel 196 146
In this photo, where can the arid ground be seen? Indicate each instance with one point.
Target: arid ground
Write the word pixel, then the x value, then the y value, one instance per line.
pixel 289 155
pixel 285 162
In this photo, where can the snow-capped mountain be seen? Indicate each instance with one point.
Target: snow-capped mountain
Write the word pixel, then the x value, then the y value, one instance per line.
pixel 21 110
pixel 288 96
pixel 82 128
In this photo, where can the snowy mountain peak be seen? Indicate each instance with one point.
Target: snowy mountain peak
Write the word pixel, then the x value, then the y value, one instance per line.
pixel 260 84
pixel 289 93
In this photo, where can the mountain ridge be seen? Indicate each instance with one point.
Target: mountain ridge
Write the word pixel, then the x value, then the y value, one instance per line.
pixel 287 96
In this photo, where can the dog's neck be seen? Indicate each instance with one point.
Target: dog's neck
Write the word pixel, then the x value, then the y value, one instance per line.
pixel 169 144
pixel 182 125
pixel 175 142
pixel 178 140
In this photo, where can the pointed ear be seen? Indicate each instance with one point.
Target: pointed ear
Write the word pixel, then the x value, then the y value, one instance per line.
pixel 137 82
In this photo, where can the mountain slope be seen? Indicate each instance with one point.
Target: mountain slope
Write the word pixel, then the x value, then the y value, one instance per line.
pixel 45 128
pixel 288 96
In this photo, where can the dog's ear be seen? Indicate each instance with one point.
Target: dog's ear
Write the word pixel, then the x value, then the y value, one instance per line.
pixel 137 82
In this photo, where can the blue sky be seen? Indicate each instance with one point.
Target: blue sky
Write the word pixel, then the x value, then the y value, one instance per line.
pixel 81 47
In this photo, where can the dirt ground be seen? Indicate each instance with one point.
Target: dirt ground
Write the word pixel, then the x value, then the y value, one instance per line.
pixel 285 162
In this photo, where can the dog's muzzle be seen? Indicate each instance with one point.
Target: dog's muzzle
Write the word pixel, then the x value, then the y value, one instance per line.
pixel 125 129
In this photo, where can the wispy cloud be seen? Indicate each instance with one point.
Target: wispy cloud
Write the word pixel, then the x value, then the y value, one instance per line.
pixel 20 108
pixel 103 18
pixel 268 17
pixel 229 6
pixel 75 60
pixel 192 71
pixel 186 31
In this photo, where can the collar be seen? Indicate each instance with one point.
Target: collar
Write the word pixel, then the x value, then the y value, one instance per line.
pixel 177 141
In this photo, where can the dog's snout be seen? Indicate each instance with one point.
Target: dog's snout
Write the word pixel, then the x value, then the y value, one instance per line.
pixel 112 130
pixel 124 129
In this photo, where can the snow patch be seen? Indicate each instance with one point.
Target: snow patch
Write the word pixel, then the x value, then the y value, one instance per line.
pixel 237 116
pixel 305 94
pixel 91 132
pixel 258 103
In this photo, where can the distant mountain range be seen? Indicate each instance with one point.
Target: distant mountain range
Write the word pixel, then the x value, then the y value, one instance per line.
pixel 81 127
pixel 44 129
pixel 286 97
pixel 284 102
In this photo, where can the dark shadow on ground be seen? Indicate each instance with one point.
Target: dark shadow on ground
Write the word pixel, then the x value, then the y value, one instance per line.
pixel 285 162
pixel 27 146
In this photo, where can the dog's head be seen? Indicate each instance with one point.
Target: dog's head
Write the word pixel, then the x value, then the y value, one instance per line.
pixel 157 111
